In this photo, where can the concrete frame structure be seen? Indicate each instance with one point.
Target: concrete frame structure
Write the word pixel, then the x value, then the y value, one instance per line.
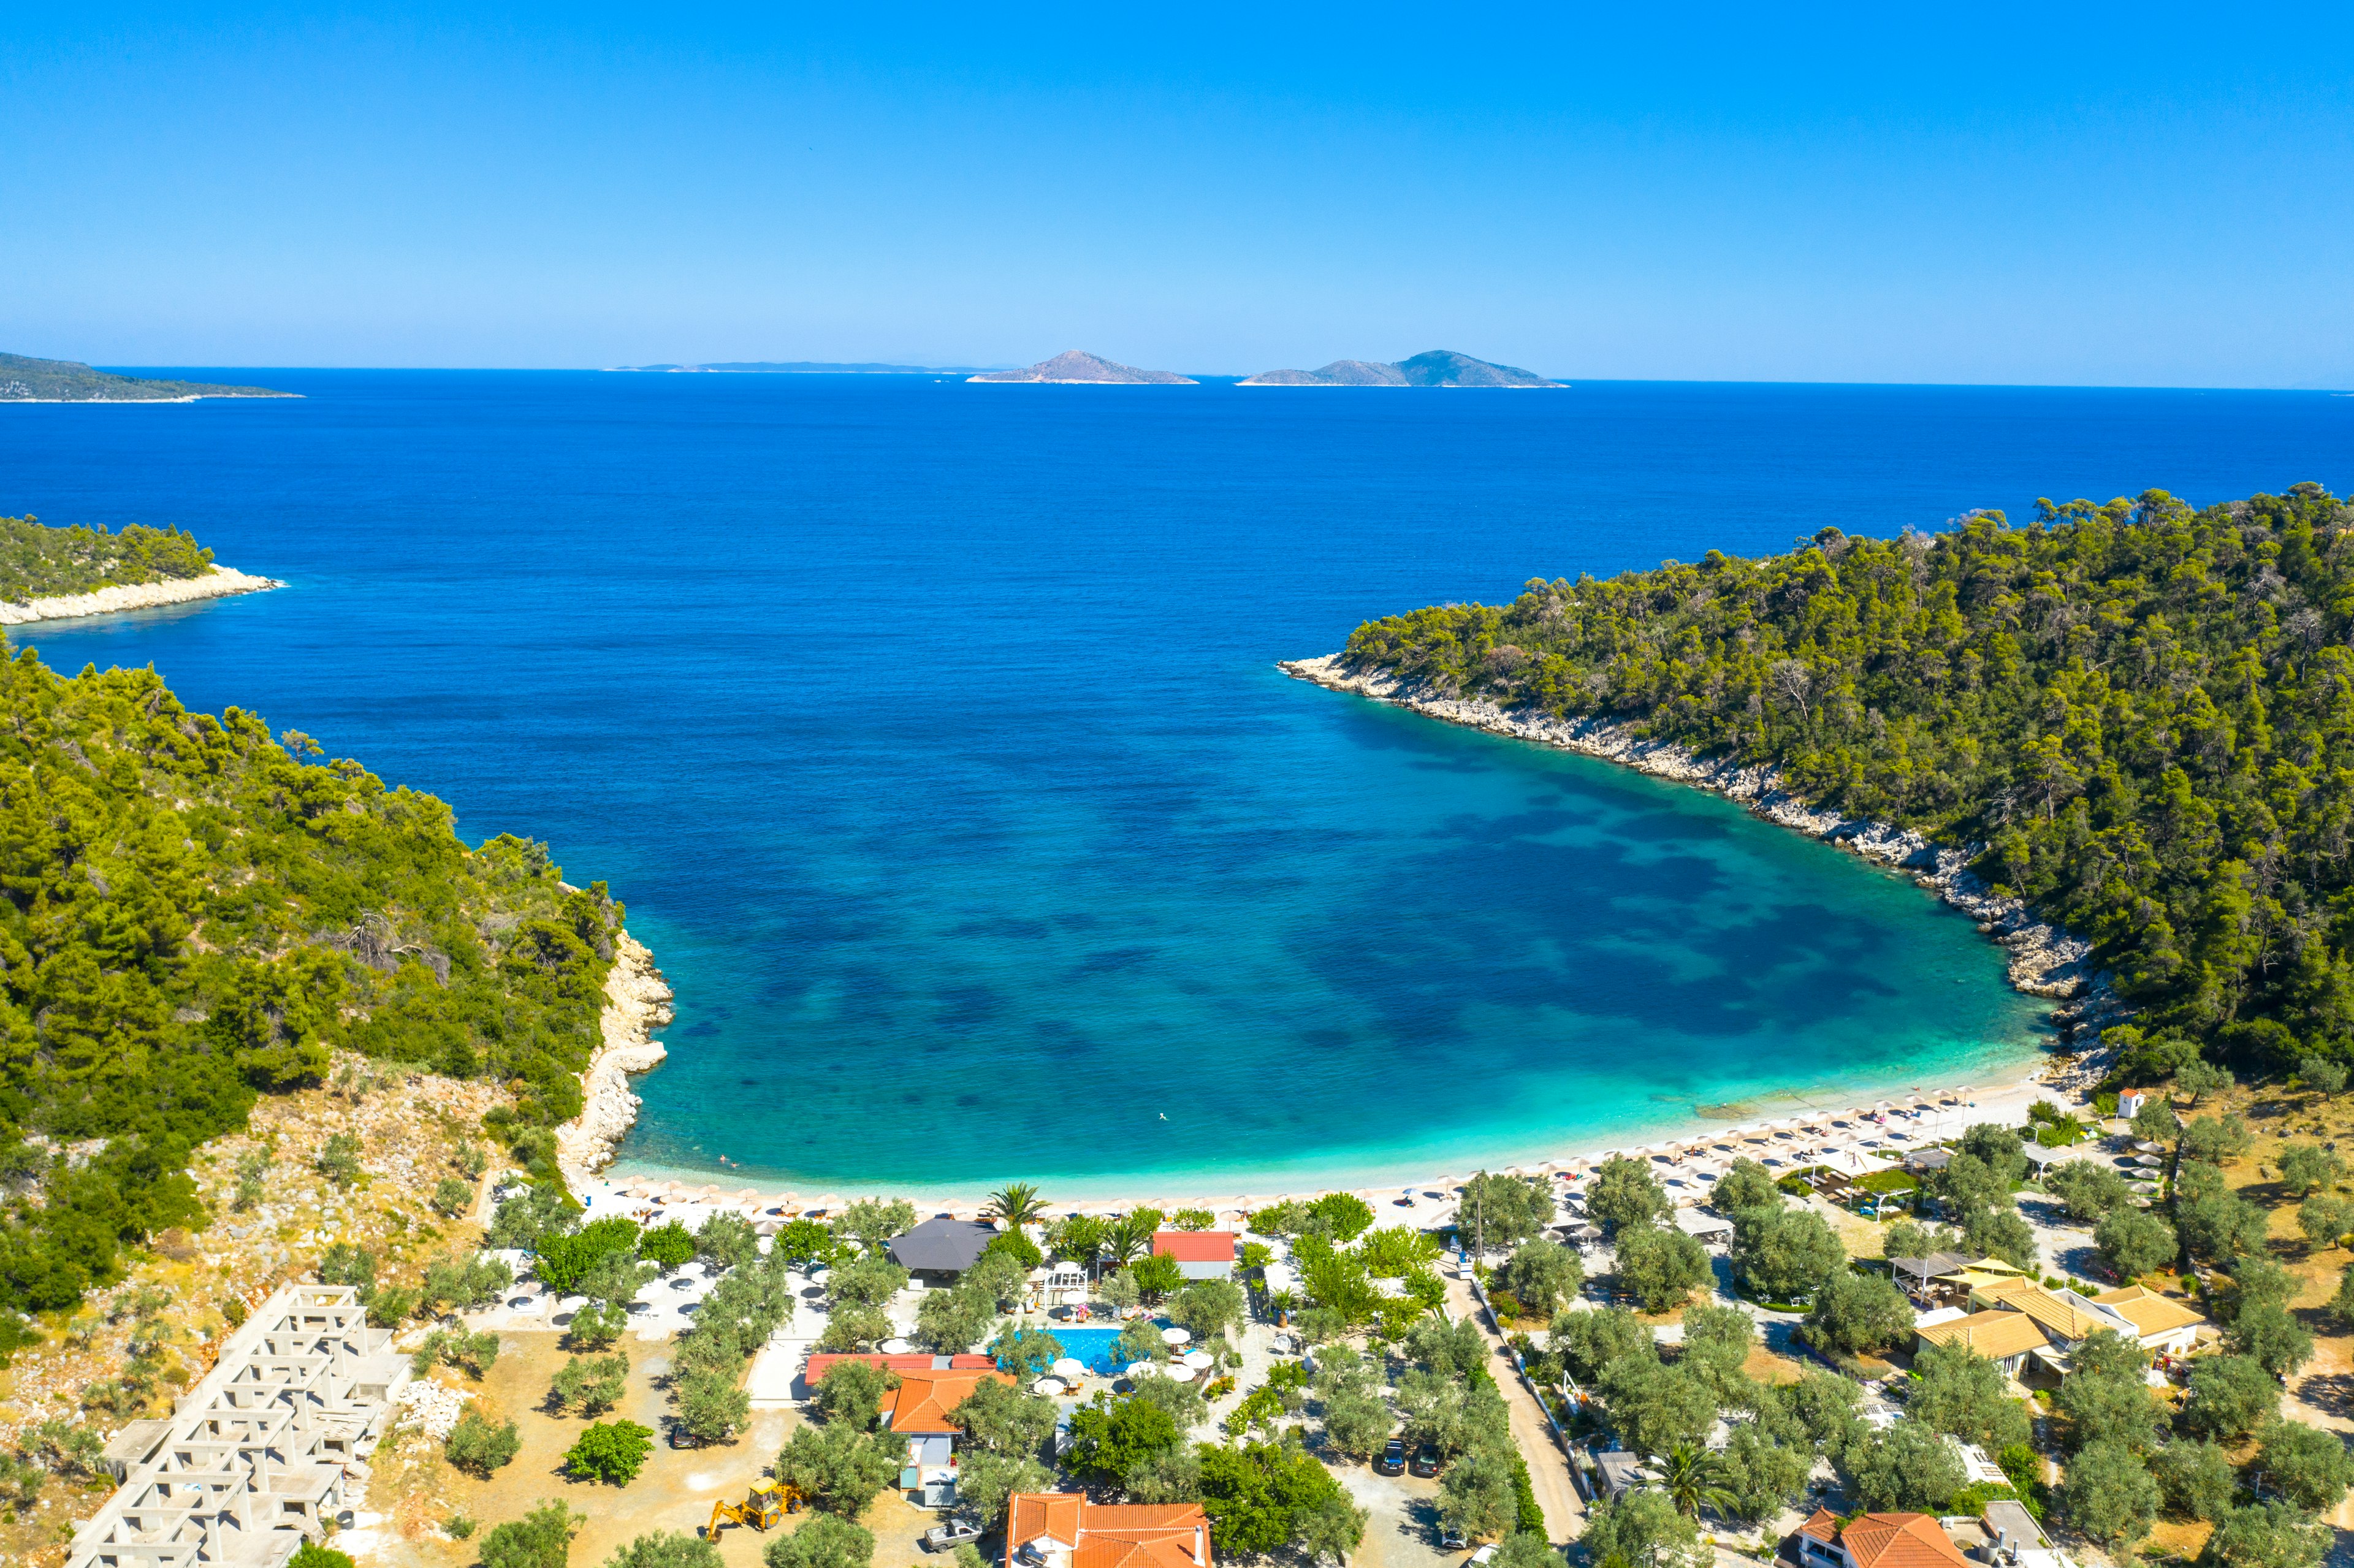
pixel 256 1456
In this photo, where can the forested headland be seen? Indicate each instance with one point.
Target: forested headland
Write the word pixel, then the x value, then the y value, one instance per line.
pixel 25 379
pixel 192 915
pixel 2141 716
pixel 39 562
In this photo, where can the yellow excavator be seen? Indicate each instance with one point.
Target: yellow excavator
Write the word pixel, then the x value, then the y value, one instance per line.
pixel 768 1503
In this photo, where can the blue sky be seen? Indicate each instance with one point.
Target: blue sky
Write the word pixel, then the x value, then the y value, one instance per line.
pixel 2130 196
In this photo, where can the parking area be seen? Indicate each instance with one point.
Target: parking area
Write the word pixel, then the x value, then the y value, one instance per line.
pixel 1402 1526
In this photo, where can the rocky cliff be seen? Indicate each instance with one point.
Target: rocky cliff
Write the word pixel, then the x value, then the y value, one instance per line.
pixel 637 1003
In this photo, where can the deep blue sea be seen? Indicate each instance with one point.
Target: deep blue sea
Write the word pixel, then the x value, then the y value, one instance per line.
pixel 932 733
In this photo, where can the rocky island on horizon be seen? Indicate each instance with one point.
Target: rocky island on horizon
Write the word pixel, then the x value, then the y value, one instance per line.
pixel 1078 366
pixel 1438 368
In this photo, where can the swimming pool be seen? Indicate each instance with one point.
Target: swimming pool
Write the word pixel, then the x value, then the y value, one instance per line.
pixel 1096 1348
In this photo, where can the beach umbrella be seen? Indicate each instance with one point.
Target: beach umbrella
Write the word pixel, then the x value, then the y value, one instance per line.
pixel 1047 1385
pixel 1200 1361
pixel 2149 1147
pixel 1180 1373
pixel 1142 1369
pixel 1070 1369
pixel 1176 1336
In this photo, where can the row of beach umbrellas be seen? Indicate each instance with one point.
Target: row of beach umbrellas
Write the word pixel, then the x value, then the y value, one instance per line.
pixel 1768 1136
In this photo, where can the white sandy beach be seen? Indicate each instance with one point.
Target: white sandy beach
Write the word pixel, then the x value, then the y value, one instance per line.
pixel 1856 1138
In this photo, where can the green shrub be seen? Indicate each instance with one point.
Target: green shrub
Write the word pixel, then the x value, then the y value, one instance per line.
pixel 611 1451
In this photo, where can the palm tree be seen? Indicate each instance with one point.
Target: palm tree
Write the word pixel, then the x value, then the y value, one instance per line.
pixel 1129 1237
pixel 1688 1475
pixel 1017 1203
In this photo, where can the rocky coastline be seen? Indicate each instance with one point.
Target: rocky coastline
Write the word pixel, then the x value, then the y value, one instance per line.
pixel 218 583
pixel 2044 960
pixel 637 1003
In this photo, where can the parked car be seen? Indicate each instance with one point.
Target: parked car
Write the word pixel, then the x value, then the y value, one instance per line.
pixel 1426 1460
pixel 1451 1539
pixel 1481 1557
pixel 1392 1459
pixel 949 1536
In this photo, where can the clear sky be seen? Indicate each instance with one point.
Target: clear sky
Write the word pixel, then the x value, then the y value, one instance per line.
pixel 2129 195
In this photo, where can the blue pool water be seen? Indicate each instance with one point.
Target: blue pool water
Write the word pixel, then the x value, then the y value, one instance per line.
pixel 1096 1348
pixel 931 735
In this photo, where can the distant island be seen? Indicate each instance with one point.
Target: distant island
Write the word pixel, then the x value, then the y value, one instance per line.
pixel 1439 367
pixel 29 380
pixel 56 573
pixel 801 368
pixel 1092 369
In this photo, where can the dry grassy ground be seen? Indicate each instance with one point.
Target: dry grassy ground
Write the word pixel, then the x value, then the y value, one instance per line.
pixel 409 1127
pixel 418 1491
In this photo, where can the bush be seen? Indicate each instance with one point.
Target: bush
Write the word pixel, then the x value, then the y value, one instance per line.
pixel 611 1451
pixel 541 1539
pixel 838 1468
pixel 823 1540
pixel 595 1326
pixel 666 1549
pixel 591 1385
pixel 339 1159
pixel 478 1446
pixel 452 1197
pixel 711 1407
pixel 667 1246
pixel 310 1555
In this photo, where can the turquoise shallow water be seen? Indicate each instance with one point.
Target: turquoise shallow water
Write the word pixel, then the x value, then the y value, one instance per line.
pixel 932 734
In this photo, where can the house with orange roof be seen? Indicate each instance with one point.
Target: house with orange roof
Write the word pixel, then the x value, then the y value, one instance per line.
pixel 918 1409
pixel 1200 1254
pixel 1064 1530
pixel 1877 1541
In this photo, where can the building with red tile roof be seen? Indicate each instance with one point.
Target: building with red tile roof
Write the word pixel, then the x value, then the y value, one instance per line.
pixel 1877 1541
pixel 1200 1254
pixel 815 1368
pixel 917 1410
pixel 1064 1530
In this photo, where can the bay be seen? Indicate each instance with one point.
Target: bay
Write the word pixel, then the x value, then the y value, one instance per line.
pixel 932 734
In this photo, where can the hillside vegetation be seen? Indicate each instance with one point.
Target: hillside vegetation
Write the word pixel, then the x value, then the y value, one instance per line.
pixel 191 915
pixel 37 562
pixel 2143 712
pixel 25 379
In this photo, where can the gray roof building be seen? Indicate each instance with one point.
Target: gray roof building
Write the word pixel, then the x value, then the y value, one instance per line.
pixel 942 1246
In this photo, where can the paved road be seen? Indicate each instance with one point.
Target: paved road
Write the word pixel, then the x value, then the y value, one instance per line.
pixel 1548 1466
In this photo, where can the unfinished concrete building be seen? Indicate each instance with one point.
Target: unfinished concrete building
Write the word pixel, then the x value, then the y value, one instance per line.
pixel 256 1457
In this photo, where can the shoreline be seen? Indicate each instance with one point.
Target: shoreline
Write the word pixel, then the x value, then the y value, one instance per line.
pixel 1959 1107
pixel 2043 961
pixel 219 583
pixel 637 1003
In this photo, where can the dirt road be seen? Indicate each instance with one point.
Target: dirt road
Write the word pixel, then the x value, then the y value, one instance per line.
pixel 1548 1466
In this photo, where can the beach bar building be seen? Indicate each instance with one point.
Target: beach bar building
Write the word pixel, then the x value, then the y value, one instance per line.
pixel 940 1249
